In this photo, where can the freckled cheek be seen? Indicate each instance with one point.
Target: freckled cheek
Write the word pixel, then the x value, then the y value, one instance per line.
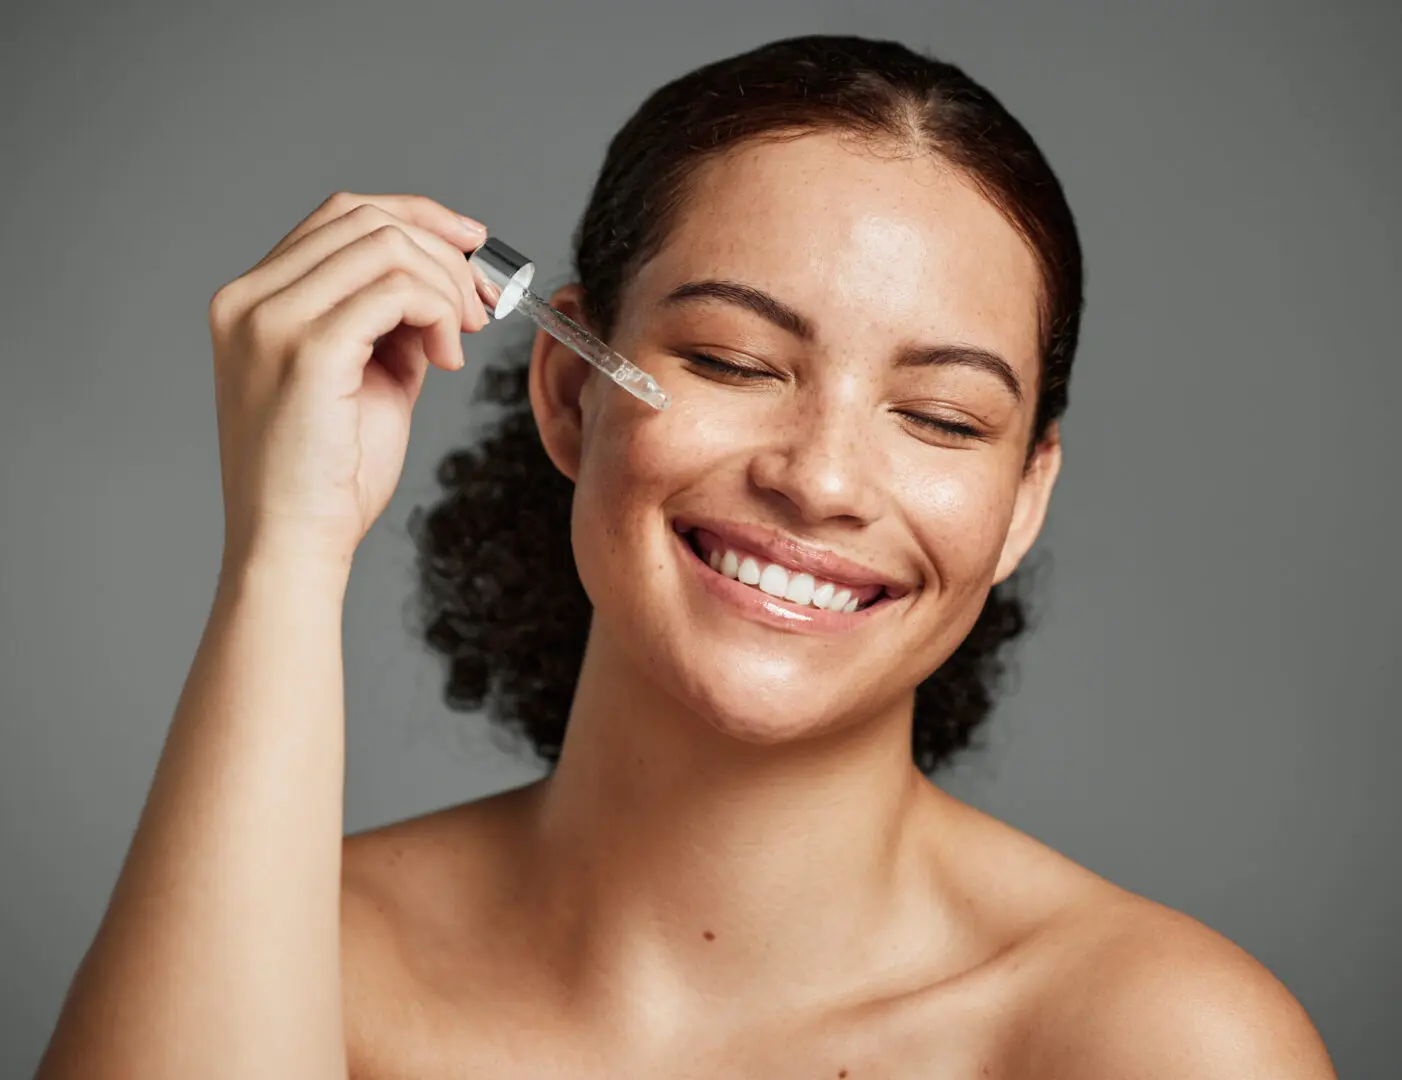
pixel 614 524
pixel 960 519
pixel 630 470
pixel 655 456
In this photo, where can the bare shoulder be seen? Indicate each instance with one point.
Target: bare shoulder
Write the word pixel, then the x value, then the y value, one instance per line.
pixel 402 868
pixel 396 876
pixel 1145 991
pixel 405 941
pixel 1111 984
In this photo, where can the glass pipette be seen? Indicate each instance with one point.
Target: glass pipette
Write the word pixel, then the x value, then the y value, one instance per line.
pixel 503 283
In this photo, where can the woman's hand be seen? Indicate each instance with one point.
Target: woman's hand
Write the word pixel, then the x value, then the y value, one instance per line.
pixel 319 355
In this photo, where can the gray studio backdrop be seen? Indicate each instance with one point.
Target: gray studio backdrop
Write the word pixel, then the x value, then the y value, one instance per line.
pixel 1207 710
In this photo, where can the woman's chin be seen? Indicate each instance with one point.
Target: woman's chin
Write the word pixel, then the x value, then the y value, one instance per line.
pixel 762 712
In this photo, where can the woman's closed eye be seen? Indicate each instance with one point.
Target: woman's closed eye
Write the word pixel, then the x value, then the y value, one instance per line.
pixel 942 425
pixel 715 367
pixel 728 371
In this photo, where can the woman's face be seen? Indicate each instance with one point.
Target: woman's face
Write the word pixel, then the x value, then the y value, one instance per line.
pixel 850 342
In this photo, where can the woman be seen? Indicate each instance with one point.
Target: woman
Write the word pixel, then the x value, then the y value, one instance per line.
pixel 859 281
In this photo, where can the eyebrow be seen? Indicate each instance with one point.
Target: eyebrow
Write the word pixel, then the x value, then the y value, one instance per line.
pixel 786 318
pixel 748 297
pixel 969 356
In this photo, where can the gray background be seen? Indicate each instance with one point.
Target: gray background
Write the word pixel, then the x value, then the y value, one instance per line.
pixel 1207 711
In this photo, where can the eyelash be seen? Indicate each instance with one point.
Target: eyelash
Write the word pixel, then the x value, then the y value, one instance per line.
pixel 735 371
pixel 946 427
pixel 715 363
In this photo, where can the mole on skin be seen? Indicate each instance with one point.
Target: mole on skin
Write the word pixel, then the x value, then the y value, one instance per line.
pixel 709 936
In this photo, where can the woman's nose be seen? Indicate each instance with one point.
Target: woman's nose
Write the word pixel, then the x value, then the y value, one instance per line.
pixel 824 462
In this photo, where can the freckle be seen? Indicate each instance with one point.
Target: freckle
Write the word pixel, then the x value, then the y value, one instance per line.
pixel 842 1074
pixel 709 936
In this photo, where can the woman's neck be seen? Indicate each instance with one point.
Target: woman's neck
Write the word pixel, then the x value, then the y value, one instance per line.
pixel 675 864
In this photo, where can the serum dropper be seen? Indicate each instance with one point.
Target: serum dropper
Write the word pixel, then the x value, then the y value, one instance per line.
pixel 503 282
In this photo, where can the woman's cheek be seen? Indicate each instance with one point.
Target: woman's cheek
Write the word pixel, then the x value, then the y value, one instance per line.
pixel 961 520
pixel 674 448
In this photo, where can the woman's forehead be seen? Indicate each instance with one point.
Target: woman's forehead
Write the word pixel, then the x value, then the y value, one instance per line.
pixel 840 230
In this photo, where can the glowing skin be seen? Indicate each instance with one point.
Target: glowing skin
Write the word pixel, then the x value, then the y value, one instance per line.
pixel 735 865
pixel 819 452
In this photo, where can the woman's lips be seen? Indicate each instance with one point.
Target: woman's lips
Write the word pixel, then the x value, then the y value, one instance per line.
pixel 785 582
pixel 793 554
pixel 775 611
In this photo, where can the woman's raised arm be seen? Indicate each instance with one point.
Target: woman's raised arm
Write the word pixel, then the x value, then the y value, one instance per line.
pixel 218 955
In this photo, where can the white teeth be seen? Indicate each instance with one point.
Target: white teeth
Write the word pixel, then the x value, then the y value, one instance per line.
pixel 800 590
pixel 793 586
pixel 774 580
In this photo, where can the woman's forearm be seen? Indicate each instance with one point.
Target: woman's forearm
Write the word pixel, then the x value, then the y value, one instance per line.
pixel 219 952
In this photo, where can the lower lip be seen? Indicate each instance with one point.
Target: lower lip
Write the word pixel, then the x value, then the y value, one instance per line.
pixel 771 610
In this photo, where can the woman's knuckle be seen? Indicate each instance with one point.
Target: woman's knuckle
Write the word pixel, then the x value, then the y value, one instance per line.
pixel 392 239
pixel 222 307
pixel 262 324
pixel 399 281
pixel 367 215
pixel 342 202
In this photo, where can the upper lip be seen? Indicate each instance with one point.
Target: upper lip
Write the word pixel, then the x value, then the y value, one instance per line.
pixel 789 551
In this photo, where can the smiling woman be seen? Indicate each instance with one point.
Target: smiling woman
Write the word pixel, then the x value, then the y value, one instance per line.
pixel 987 381
pixel 880 338
pixel 735 626
pixel 743 631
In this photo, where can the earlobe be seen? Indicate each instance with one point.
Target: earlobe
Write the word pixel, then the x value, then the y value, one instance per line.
pixel 1030 509
pixel 556 381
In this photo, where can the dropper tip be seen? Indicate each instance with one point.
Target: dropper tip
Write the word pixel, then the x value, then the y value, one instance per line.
pixel 642 386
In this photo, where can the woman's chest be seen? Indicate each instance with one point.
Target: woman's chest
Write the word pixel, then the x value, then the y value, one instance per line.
pixel 944 1040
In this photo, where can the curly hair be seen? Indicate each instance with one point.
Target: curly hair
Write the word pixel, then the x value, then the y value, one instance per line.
pixel 498 594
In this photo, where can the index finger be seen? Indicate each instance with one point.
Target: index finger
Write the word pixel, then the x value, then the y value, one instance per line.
pixel 462 232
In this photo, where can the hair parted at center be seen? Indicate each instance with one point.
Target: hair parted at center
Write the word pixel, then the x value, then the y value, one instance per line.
pixel 498 594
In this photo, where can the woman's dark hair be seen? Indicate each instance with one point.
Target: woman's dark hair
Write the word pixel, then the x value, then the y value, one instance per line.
pixel 499 596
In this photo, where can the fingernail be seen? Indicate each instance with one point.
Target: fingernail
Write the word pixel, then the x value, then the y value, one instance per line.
pixel 476 228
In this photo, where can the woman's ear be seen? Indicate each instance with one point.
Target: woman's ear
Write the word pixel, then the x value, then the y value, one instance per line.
pixel 1030 508
pixel 556 381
